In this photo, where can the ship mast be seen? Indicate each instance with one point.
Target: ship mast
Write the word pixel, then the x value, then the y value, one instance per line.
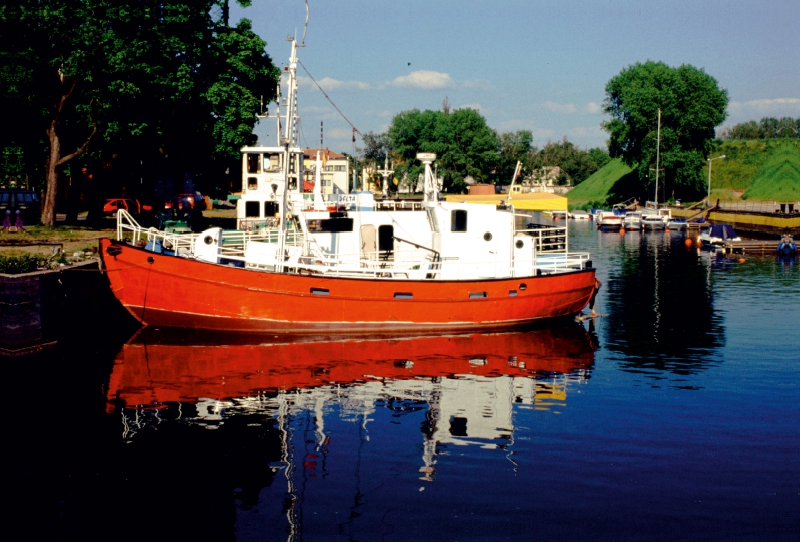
pixel 658 152
pixel 289 139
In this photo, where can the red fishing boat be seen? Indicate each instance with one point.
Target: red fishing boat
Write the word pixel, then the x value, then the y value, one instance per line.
pixel 298 264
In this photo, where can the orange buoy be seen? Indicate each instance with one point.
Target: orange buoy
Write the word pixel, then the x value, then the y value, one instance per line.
pixel 741 260
pixel 622 231
pixel 688 242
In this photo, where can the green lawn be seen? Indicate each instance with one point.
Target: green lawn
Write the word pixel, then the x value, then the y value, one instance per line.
pixel 597 189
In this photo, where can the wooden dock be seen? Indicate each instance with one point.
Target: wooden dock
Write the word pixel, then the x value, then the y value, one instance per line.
pixel 751 247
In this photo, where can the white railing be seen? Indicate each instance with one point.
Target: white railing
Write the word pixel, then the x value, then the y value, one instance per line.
pixel 549 255
pixel 761 206
pixel 547 238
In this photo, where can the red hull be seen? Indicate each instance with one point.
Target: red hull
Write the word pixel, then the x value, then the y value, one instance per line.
pixel 162 290
pixel 153 369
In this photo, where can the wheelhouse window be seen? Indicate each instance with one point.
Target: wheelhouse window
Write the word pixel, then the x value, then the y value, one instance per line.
pixel 336 224
pixel 458 220
pixel 270 208
pixel 252 183
pixel 272 162
pixel 253 163
pixel 251 209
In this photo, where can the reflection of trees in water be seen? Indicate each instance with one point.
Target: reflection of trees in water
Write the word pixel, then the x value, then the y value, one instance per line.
pixel 661 314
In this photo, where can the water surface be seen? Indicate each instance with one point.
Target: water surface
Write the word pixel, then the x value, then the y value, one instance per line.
pixel 675 415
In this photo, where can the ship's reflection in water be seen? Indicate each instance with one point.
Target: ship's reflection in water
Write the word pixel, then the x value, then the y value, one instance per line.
pixel 314 427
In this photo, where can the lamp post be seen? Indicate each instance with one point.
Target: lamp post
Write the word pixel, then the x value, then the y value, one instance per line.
pixel 709 160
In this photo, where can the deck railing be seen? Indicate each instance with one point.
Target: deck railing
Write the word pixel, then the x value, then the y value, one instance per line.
pixel 547 238
pixel 549 254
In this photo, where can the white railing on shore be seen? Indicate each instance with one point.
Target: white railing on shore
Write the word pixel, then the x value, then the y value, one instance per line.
pixel 761 206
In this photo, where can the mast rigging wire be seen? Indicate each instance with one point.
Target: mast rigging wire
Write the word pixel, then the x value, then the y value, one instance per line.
pixel 356 130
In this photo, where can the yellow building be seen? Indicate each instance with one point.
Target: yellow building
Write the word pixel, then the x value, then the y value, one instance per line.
pixel 335 172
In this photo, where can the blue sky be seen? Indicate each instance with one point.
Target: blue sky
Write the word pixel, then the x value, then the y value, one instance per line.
pixel 539 65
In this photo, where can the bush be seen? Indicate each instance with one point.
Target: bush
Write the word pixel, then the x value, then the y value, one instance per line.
pixel 16 265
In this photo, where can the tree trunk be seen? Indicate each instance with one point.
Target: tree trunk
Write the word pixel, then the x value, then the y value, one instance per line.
pixel 51 176
pixel 54 159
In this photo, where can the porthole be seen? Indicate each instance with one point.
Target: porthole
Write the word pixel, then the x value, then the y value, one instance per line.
pixel 519 243
pixel 208 239
pixel 487 236
pixel 523 286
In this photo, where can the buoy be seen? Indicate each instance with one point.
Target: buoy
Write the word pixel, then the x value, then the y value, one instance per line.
pixel 688 242
pixel 622 231
pixel 741 260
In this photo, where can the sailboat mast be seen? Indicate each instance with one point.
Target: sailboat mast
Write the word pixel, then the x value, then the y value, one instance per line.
pixel 658 152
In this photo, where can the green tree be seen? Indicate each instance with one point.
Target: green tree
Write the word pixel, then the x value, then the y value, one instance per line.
pixel 691 105
pixel 515 147
pixel 376 148
pixel 463 142
pixel 150 78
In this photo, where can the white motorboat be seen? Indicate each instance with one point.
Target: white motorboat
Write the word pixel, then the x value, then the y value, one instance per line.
pixel 633 220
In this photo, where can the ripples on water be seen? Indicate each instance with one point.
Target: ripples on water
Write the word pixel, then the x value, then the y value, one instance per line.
pixel 674 416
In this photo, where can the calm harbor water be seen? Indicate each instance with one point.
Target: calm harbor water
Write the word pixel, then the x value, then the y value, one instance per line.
pixel 674 416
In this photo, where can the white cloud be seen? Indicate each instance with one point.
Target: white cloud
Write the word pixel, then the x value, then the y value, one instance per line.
pixel 425 79
pixel 559 108
pixel 766 105
pixel 331 84
pixel 593 108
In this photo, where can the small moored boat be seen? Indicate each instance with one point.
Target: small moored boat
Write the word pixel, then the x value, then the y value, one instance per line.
pixel 608 221
pixel 652 222
pixel 717 235
pixel 679 224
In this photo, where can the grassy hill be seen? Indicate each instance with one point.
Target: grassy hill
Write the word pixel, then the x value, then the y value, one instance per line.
pixel 600 189
pixel 759 170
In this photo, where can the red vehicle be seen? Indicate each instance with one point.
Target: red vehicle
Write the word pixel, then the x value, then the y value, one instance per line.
pixel 191 201
pixel 133 206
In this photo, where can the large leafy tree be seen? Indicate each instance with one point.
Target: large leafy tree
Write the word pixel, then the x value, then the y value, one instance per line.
pixel 515 147
pixel 691 104
pixel 150 79
pixel 465 145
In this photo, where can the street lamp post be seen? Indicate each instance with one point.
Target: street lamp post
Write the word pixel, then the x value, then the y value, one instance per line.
pixel 709 160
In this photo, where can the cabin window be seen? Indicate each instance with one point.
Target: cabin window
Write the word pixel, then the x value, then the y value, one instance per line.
pixel 337 224
pixel 252 183
pixel 512 293
pixel 458 220
pixel 253 163
pixel 477 295
pixel 272 162
pixel 386 239
pixel 251 209
pixel 403 295
pixel 270 208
